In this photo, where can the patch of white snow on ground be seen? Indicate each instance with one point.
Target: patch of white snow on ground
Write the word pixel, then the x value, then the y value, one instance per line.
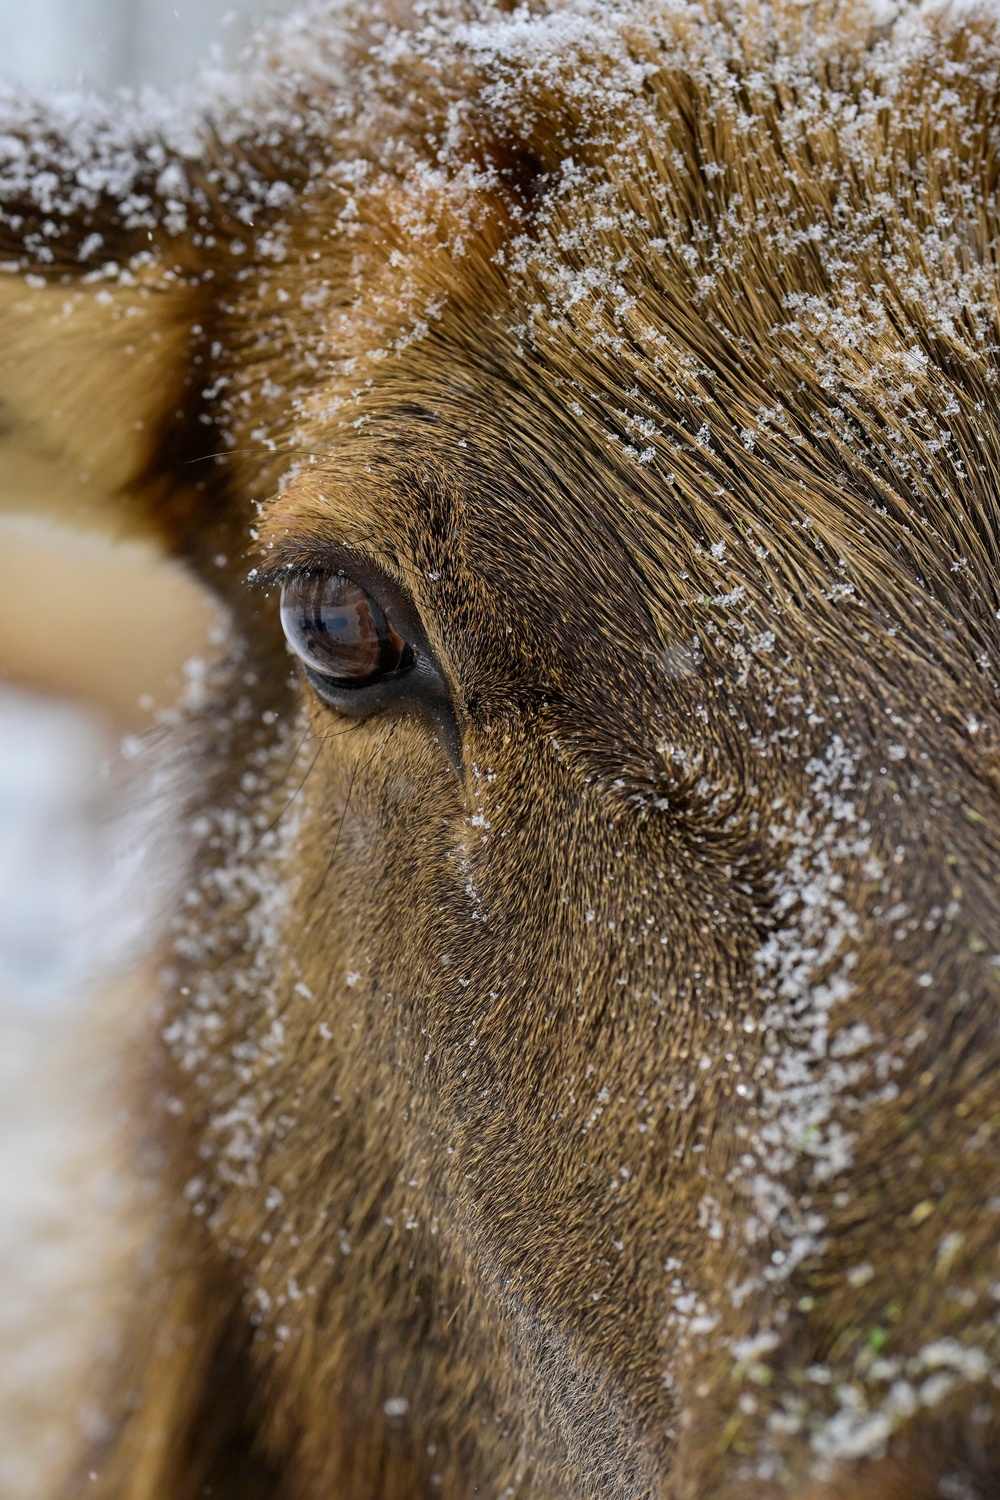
pixel 66 929
pixel 51 853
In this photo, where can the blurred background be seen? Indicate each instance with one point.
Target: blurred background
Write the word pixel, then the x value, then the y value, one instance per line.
pixel 94 642
pixel 108 649
pixel 108 44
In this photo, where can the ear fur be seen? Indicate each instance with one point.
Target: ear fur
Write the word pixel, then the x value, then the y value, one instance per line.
pixel 89 370
pixel 114 250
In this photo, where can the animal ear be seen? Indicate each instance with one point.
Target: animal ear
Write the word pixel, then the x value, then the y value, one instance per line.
pixel 115 250
pixel 89 372
pixel 99 293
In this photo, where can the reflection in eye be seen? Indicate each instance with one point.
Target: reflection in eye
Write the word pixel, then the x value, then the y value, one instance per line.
pixel 340 631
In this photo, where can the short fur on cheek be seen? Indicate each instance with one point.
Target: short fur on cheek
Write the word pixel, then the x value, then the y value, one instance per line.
pixel 596 1096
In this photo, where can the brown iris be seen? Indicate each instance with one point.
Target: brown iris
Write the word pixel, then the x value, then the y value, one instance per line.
pixel 339 631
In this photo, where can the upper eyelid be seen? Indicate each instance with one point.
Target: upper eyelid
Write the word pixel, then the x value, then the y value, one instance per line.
pixel 272 576
pixel 259 580
pixel 320 556
pixel 272 573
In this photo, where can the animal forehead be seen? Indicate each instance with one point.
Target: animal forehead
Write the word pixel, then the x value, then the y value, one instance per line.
pixel 713 245
pixel 549 465
pixel 704 317
pixel 587 431
pixel 495 494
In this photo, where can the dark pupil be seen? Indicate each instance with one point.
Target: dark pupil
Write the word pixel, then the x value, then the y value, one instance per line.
pixel 340 631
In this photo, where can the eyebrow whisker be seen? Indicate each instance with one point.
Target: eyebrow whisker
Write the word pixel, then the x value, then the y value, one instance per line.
pixel 288 449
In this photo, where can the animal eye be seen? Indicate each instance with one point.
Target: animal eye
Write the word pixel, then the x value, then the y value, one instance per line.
pixel 365 649
pixel 341 632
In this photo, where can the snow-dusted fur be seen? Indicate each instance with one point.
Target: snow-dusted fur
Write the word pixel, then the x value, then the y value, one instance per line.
pixel 576 1068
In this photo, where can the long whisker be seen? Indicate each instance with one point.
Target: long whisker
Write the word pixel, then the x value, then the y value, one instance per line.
pixel 284 777
pixel 351 729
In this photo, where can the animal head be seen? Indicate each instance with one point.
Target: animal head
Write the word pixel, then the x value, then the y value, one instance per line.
pixel 577 1059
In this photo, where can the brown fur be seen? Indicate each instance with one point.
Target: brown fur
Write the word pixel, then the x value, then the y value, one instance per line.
pixel 483 1170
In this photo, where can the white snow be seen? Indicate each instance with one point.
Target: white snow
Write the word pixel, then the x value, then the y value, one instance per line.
pixel 51 850
pixel 52 44
pixel 67 929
